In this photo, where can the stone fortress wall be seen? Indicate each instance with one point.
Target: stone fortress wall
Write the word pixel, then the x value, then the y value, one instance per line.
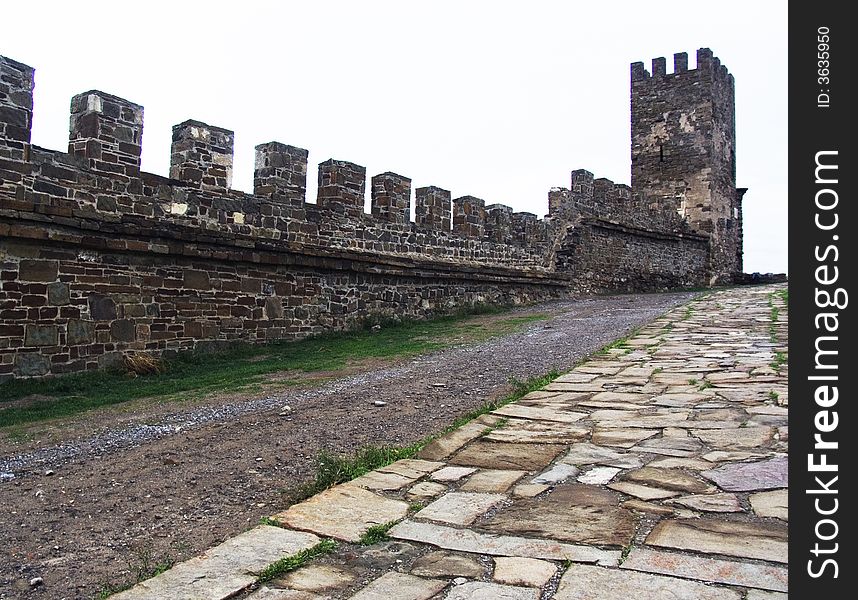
pixel 98 258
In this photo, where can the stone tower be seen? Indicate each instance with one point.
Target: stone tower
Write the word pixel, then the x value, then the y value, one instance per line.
pixel 684 150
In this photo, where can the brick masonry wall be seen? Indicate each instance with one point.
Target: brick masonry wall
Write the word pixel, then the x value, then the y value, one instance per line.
pixel 66 308
pixel 599 255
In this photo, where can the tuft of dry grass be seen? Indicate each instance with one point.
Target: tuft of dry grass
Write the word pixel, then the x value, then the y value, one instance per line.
pixel 142 364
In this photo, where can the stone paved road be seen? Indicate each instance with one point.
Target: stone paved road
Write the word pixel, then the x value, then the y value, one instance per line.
pixel 657 470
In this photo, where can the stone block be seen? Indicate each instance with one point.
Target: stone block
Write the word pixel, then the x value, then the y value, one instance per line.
pixel 38 270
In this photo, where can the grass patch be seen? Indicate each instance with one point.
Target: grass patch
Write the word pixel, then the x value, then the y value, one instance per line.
pixel 245 366
pixel 290 563
pixel 705 385
pixel 773 395
pixel 332 469
pixel 779 361
pixel 376 534
pixel 143 565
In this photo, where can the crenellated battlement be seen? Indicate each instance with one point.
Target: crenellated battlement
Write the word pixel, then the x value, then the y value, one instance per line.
pixel 708 68
pixel 105 142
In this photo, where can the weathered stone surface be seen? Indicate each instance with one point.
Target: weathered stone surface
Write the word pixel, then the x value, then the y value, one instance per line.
pixel 442 563
pixel 536 432
pixel 508 456
pixel 647 507
pixel 556 474
pixel 478 590
pixel 58 293
pixel 644 492
pixel 670 446
pixel 38 270
pixel 539 413
pixel 736 438
pixel 123 330
pixel 669 479
pixel 459 508
pixel 710 502
pixel 745 477
pixel 466 540
pixel 491 481
pixel 266 593
pixel 41 335
pixel 318 578
pixel 80 332
pixel 598 475
pixel 32 364
pixel 530 572
pixel 452 473
pixel 425 490
pixel 764 541
pixel 771 504
pixel 571 513
pixel 678 400
pixel 411 468
pixel 761 595
pixel 673 462
pixel 590 454
pixel 585 582
pixel 101 308
pixel 529 490
pixel 344 512
pixel 224 570
pixel 400 586
pixel 621 438
pixel 703 568
pixel 376 480
pixel 445 445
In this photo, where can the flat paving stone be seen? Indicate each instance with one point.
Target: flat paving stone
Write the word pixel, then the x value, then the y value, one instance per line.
pixel 539 413
pixel 478 590
pixel 452 473
pixel 444 564
pixel 647 507
pixel 411 468
pixel 723 502
pixel 585 582
pixel 761 595
pixel 571 513
pixel 446 445
pixel 459 508
pixel 771 504
pixel 576 377
pixel 760 540
pixel 318 578
pixel 644 492
pixel 425 490
pixel 670 446
pixel 556 474
pixel 492 481
pixel 529 490
pixel 344 512
pixel 669 479
pixel 750 477
pixel 400 586
pixel 266 593
pixel 621 438
pixel 508 456
pixel 537 432
pixel 735 438
pixel 598 475
pixel 585 453
pixel 224 570
pixel 678 400
pixel 678 462
pixel 703 568
pixel 529 572
pixel 376 480
pixel 466 540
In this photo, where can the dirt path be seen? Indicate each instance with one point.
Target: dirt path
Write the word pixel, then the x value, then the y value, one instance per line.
pixel 139 492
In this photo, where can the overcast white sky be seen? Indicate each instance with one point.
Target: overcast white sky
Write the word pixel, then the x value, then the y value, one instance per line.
pixel 495 99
